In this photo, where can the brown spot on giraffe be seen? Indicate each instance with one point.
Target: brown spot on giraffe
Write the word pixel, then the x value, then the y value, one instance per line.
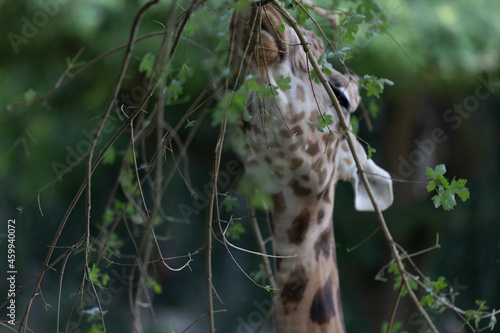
pixel 321 172
pixel 312 148
pixel 297 130
pixel 324 244
pixel 279 203
pixel 297 232
pixel 323 308
pixel 299 190
pixel 294 146
pixel 296 163
pixel 321 215
pixel 294 288
pixel 286 133
pixel 301 96
pixel 297 117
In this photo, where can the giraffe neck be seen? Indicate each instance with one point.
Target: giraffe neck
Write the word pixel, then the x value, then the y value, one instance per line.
pixel 308 299
pixel 303 162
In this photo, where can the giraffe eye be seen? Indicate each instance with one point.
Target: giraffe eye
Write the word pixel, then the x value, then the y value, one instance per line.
pixel 341 96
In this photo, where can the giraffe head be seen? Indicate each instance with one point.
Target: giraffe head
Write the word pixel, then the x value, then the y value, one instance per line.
pixel 279 134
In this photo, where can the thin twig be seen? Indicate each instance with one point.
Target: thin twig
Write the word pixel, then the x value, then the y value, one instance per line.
pixel 395 308
pixel 209 219
pixel 349 249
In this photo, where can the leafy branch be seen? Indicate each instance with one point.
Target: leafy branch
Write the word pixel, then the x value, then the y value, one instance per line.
pixel 445 190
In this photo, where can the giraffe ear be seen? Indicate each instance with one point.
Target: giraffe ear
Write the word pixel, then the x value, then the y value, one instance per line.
pixel 379 179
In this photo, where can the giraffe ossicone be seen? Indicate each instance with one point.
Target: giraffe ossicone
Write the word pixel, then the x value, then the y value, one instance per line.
pixel 305 164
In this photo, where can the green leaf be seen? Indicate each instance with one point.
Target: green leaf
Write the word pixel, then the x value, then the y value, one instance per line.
pixel 427 300
pixel 30 95
pixel 413 284
pixel 96 328
pixel 440 284
pixel 235 231
pixel 190 123
pixel 268 90
pixel 394 329
pixel 373 85
pixel 282 28
pixel 493 320
pixel 147 63
pixel 105 279
pixel 94 276
pixel 314 76
pixel 231 106
pixel 351 26
pixel 459 188
pixel 109 156
pixel 397 282
pixel 157 288
pixel 325 119
pixel 318 126
pixel 355 124
pixel 448 200
pixel 229 203
pixel 370 152
pixel 437 201
pixel 393 268
pixel 185 73
pixel 440 170
pixel 373 108
pixel 108 217
pixel 283 82
pixel 246 115
pixel 253 85
pixel 446 192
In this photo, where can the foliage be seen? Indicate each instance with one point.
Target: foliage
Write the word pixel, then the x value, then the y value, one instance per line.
pixel 101 280
pixel 235 230
pixel 324 121
pixel 394 329
pixel 374 85
pixel 446 192
pixel 147 63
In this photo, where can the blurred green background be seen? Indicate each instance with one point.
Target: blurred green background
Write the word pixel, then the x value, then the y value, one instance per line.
pixel 443 57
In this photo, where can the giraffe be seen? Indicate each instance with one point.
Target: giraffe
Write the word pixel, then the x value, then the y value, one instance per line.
pixel 305 164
